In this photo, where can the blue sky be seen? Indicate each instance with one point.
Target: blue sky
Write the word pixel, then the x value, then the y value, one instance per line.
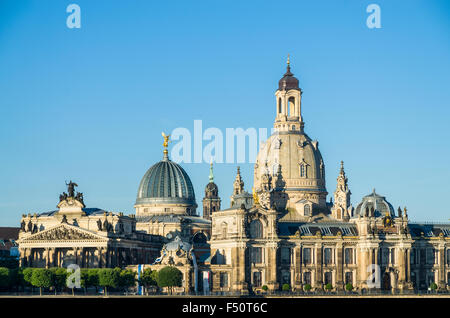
pixel 89 104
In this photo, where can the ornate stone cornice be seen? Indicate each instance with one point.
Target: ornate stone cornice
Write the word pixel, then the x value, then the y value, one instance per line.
pixel 63 232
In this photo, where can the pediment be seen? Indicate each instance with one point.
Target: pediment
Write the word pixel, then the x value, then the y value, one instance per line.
pixel 64 232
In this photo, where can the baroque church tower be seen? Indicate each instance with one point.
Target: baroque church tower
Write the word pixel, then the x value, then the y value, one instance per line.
pixel 342 209
pixel 302 166
pixel 211 201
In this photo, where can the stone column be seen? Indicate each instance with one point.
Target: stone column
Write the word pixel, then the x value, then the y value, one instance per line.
pixel 242 269
pixel 52 256
pixel 441 275
pixel 363 260
pixel 103 256
pixel 272 270
pixel 297 268
pixel 58 257
pixel 401 268
pixel 234 279
pixel 47 257
pixel 319 274
pixel 339 267
pixel 408 265
pixel 23 257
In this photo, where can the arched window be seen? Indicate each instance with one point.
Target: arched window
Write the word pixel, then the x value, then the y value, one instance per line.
pixel 279 106
pixel 224 228
pixel 307 210
pixel 291 106
pixel 302 170
pixel 339 213
pixel 256 229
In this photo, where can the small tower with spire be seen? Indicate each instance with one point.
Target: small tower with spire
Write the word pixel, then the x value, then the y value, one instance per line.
pixel 240 197
pixel 288 95
pixel 211 201
pixel 238 185
pixel 342 209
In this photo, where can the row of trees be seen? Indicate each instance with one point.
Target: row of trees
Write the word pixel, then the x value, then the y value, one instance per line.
pixel 307 287
pixel 107 278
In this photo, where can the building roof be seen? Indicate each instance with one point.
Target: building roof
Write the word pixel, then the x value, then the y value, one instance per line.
pixel 171 218
pixel 88 211
pixel 166 182
pixel 311 229
pixel 288 81
pixel 8 237
pixel 429 230
pixel 376 202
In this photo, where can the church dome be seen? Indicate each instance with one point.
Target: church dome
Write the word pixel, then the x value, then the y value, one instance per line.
pixel 211 190
pixel 374 205
pixel 302 166
pixel 288 81
pixel 166 182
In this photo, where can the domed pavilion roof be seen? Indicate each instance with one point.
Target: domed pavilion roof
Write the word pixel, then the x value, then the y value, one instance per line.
pixel 166 182
pixel 377 203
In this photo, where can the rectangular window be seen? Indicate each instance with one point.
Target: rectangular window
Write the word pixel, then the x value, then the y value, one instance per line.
pixel 256 255
pixel 392 255
pixel 285 255
pixel 257 279
pixel 223 279
pixel 328 278
pixel 430 256
pixel 413 256
pixel 286 277
pixel 348 256
pixel 384 256
pixel 448 257
pixel 448 278
pixel 348 278
pixel 327 256
pixel 307 278
pixel 307 256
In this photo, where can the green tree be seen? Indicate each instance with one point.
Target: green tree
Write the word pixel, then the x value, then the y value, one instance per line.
pixel 265 288
pixel 127 278
pixel 4 277
pixel 108 277
pixel 286 287
pixel 59 278
pixel 307 287
pixel 93 278
pixel 328 287
pixel 84 279
pixel 349 287
pixel 27 273
pixel 89 278
pixel 42 278
pixel 148 278
pixel 169 277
